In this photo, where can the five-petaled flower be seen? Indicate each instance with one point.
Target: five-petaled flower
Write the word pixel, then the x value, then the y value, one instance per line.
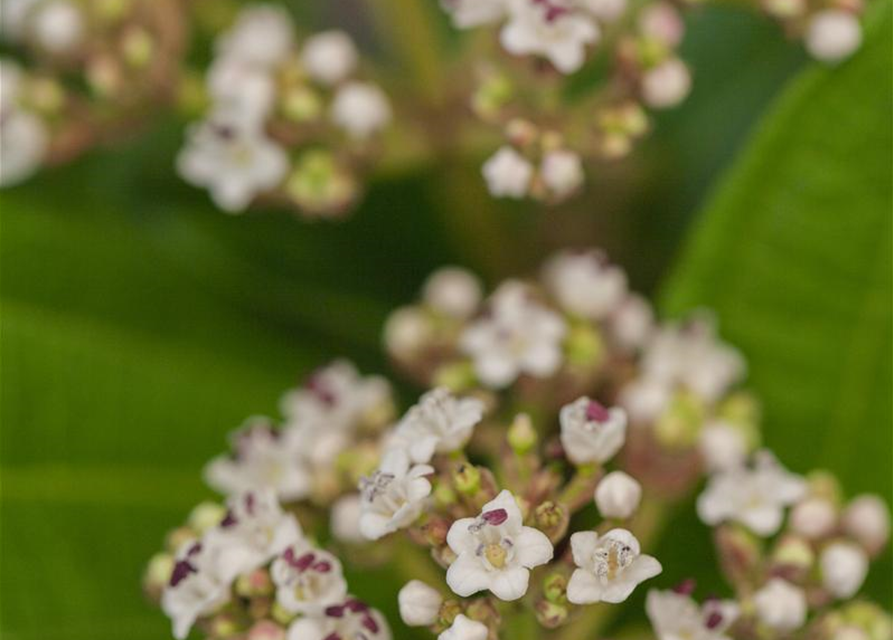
pixel 609 567
pixel 394 496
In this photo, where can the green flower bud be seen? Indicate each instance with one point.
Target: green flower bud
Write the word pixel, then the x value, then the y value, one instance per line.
pixel 301 104
pixel 467 479
pixel 680 424
pixel 550 614
pixel 584 346
pixel 456 376
pixel 555 588
pixel 522 436
pixel 138 47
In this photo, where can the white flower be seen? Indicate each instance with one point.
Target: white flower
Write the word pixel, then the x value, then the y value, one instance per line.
pixel 666 85
pixel 833 34
pixel 347 620
pixel 518 336
pixel 263 458
pixel 494 551
pixel 453 291
pixel 11 80
pixel 814 517
pixel 58 26
pixel 618 495
pixel 345 519
pixel 867 519
pixel 674 616
pixel 754 497
pixel 262 35
pixel 508 174
pixel 233 160
pixel 394 496
pixel 605 10
pixel 584 284
pixel 439 423
pixel 25 140
pixel 780 605
pixel 241 90
pixel 419 604
pixel 661 21
pixel 406 331
pixel 307 579
pixel 562 172
pixel 473 13
pixel 722 446
pixel 464 628
pixel 844 567
pixel 631 323
pixel 646 398
pixel 329 57
pixel 554 30
pixel 361 109
pixel 609 567
pixel 14 17
pixel 590 432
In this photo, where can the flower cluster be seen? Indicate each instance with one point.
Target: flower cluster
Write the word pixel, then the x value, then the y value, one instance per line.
pixel 286 121
pixel 83 72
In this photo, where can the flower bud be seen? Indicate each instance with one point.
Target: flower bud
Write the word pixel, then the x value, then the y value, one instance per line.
pixel 739 553
pixel 666 85
pixel 562 172
pixel 467 479
pixel 867 519
pixel 464 628
pixel 555 588
pixel 844 567
pixel 722 446
pixel 814 518
pixel 453 291
pixel 266 630
pixel 456 376
pixel 780 605
pixel 206 515
pixel 833 35
pixel 552 519
pixel 406 332
pixel 522 436
pixel 584 346
pixel 618 495
pixel 345 520
pixel 419 604
pixel 550 614
pixel 158 574
pixel 256 583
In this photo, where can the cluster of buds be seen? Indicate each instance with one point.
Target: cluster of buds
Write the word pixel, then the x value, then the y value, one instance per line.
pixel 830 29
pixel 287 122
pixel 83 73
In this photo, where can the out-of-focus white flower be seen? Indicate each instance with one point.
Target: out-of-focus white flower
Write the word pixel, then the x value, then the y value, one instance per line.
pixel 780 605
pixel 241 90
pixel 518 336
pixel 439 423
pixel 618 495
pixel 631 323
pixel 609 567
pixel 11 79
pixel 833 34
pixel 25 140
pixel 345 519
pixel 666 85
pixel 722 446
pixel 495 551
pixel 645 398
pixel 473 13
pixel 814 517
pixel 394 496
pixel 57 26
pixel 661 21
pixel 562 172
pixel 266 630
pixel 590 432
pixel 262 458
pixel 555 30
pixel 605 10
pixel 419 604
pixel 867 519
pixel 754 497
pixel 508 174
pixel 307 579
pixel 329 56
pixel 675 615
pixel 453 291
pixel 262 34
pixel 584 284
pixel 464 628
pixel 361 109
pixel 349 619
pixel 844 567
pixel 233 160
pixel 14 17
pixel 406 331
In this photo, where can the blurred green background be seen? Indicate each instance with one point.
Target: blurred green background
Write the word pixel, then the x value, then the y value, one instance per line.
pixel 140 325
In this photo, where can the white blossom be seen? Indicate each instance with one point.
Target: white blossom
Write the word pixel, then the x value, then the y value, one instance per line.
pixel 661 21
pixel 25 141
pixel 780 605
pixel 348 620
pixel 407 331
pixel 631 322
pixel 345 519
pixel 618 495
pixel 361 109
pixel 584 284
pixel 833 34
pixel 473 13
pixel 453 291
pixel 844 567
pixel 241 90
pixel 609 567
pixel 464 628
pixel 562 172
pixel 590 432
pixel 867 519
pixel 495 552
pixel 307 579
pixel 722 446
pixel 394 496
pixel 666 85
pixel 15 16
pixel 605 10
pixel 674 616
pixel 646 398
pixel 329 57
pixel 518 336
pixel 439 423
pixel 262 35
pixel 754 497
pixel 57 26
pixel 419 604
pixel 814 517
pixel 508 174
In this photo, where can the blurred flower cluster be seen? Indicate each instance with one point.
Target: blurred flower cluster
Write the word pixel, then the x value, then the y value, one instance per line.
pixel 562 423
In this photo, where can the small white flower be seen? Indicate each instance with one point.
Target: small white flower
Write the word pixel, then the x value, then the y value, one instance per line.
pixel 833 34
pixel 407 331
pixel 562 172
pixel 25 141
pixel 11 80
pixel 722 446
pixel 495 551
pixel 361 109
pixel 646 398
pixel 632 322
pixel 554 30
pixel 464 628
pixel 674 616
pixel 508 174
pixel 419 604
pixel 844 567
pixel 14 18
pixel 241 90
pixel 814 517
pixel 329 57
pixel 394 496
pixel 590 432
pixel 661 21
pixel 584 284
pixel 58 26
pixel 307 579
pixel 618 495
pixel 439 423
pixel 345 519
pixel 233 160
pixel 867 519
pixel 349 619
pixel 519 336
pixel 609 567
pixel 754 497
pixel 262 35
pixel 606 10
pixel 473 13
pixel 453 291
pixel 780 605
pixel 666 85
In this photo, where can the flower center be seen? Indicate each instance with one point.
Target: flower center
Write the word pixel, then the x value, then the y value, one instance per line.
pixel 496 555
pixel 611 560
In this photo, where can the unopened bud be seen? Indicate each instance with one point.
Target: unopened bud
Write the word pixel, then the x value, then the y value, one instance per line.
pixel 814 518
pixel 456 376
pixel 552 519
pixel 205 516
pixel 555 588
pixel 448 612
pixel 420 604
pixel 522 436
pixel 585 346
pixel 224 625
pixel 550 614
pixel 266 630
pixel 467 479
pixel 794 552
pixel 618 495
pixel 256 583
pixel 867 519
pixel 739 552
